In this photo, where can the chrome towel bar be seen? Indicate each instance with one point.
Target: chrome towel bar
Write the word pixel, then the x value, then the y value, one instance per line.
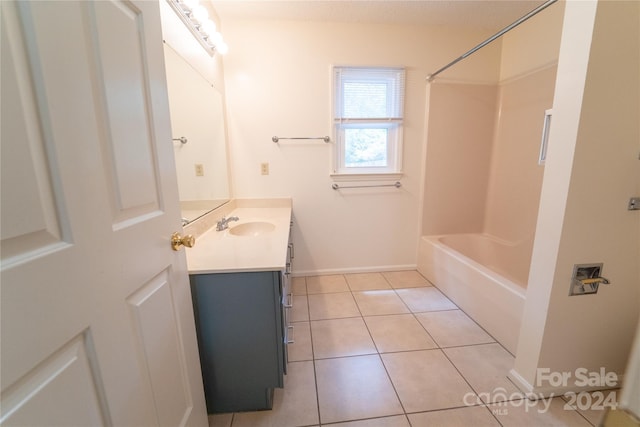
pixel 396 184
pixel 326 139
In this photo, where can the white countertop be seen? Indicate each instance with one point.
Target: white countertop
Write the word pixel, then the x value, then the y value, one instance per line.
pixel 223 252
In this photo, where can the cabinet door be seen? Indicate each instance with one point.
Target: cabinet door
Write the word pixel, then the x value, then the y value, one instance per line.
pixel 239 324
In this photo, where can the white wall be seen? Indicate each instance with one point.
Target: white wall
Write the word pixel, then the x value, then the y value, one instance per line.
pixel 278 82
pixel 532 45
pixel 591 171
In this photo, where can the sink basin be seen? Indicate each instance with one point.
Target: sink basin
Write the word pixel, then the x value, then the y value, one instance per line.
pixel 255 228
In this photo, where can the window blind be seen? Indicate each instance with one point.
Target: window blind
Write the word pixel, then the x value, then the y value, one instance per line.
pixel 368 94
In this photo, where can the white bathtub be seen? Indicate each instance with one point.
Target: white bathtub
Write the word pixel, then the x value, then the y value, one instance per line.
pixel 484 276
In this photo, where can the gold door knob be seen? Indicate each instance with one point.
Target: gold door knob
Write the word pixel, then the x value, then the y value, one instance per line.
pixel 177 241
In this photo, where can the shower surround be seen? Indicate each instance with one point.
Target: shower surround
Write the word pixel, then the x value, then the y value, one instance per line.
pixel 482 190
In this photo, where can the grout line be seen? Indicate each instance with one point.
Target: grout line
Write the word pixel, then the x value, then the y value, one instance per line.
pixel 379 354
pixel 404 411
pixel 474 321
pixel 333 423
pixel 447 409
pixel 313 358
pixel 469 345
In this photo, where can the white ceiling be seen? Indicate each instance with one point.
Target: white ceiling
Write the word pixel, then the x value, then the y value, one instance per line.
pixel 485 14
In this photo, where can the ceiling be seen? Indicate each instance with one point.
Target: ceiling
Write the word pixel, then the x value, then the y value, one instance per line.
pixel 484 14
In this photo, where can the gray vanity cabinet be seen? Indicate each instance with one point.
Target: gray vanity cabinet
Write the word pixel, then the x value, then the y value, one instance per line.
pixel 241 337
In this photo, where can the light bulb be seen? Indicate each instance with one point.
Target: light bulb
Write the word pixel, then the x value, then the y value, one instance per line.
pixel 222 48
pixel 200 13
pixel 216 38
pixel 208 27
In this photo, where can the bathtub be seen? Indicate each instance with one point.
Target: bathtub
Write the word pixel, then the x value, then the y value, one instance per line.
pixel 486 277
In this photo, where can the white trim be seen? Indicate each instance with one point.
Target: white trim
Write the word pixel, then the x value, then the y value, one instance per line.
pixel 522 384
pixel 527 73
pixel 342 177
pixel 394 123
pixel 491 82
pixel 346 121
pixel 330 271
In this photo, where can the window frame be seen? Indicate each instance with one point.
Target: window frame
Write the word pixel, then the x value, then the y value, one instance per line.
pixel 395 78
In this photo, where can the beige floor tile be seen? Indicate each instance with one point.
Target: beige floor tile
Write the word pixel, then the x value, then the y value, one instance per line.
pixel 520 413
pixel 425 380
pixel 353 388
pixel 332 306
pixel 405 279
pixel 401 332
pixel 453 328
pixel 395 421
pixel 366 281
pixel 380 302
pixel 299 286
pixel 326 284
pixel 341 337
pixel 485 367
pixel 477 416
pixel 300 310
pixel 220 420
pixel 425 299
pixel 294 405
pixel 301 348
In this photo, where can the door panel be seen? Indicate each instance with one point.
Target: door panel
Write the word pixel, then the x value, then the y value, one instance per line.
pixel 96 316
pixel 56 389
pixel 29 217
pixel 155 321
pixel 121 60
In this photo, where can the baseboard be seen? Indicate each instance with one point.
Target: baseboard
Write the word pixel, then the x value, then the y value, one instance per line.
pixel 522 384
pixel 351 270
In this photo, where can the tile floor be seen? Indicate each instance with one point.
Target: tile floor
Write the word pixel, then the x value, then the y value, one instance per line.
pixel 390 350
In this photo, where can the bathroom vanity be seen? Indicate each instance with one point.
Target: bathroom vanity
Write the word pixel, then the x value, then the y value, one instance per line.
pixel 240 284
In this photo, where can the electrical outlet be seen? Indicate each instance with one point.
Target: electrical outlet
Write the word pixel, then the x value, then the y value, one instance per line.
pixel 264 168
pixel 199 169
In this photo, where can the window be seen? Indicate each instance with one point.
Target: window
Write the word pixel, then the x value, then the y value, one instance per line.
pixel 368 114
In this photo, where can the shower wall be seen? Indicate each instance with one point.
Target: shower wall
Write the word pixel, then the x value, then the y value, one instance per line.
pixel 515 180
pixel 458 164
pixel 482 171
pixel 483 139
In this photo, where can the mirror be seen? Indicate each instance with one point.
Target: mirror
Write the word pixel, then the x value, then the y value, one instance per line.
pixel 198 126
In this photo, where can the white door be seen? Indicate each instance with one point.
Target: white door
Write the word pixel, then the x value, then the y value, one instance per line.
pixel 96 315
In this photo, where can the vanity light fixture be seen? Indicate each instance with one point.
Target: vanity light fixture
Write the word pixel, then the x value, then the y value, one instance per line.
pixel 196 18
